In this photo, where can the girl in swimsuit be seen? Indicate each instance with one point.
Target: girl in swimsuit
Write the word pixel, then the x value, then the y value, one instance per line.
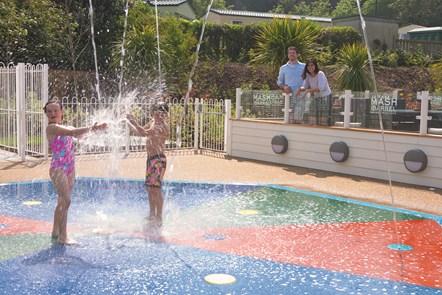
pixel 62 169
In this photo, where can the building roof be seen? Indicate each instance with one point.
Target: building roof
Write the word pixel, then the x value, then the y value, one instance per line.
pixel 406 29
pixel 180 8
pixel 268 15
pixel 371 18
pixel 430 29
pixel 167 3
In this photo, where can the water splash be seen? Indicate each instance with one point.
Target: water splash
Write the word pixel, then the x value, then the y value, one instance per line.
pixel 115 139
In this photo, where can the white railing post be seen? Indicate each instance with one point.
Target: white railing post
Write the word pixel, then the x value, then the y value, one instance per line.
pixel 20 104
pixel 367 94
pixel 45 98
pixel 424 97
pixel 238 103
pixel 347 108
pixel 227 131
pixel 196 123
pixel 395 95
pixel 201 118
pixel 127 138
pixel 287 107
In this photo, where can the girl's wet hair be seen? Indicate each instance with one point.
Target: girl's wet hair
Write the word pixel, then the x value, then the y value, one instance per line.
pixel 51 101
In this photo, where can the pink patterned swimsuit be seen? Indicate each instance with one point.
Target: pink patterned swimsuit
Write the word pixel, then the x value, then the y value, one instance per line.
pixel 63 154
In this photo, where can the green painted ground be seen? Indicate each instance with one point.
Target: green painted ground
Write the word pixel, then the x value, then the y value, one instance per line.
pixel 279 207
pixel 18 245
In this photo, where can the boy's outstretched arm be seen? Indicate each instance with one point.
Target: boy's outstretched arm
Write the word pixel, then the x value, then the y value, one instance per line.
pixel 134 126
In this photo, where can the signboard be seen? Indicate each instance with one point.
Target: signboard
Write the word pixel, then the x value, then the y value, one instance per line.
pixel 266 98
pixel 383 103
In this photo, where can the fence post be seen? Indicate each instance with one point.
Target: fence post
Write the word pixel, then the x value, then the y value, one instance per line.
pixel 45 98
pixel 395 95
pixel 227 127
pixel 347 108
pixel 127 136
pixel 238 103
pixel 20 104
pixel 424 97
pixel 287 107
pixel 196 122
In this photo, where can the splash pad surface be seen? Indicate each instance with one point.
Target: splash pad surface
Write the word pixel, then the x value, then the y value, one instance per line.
pixel 217 239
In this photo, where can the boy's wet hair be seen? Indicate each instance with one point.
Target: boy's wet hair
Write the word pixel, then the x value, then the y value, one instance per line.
pixel 51 101
pixel 161 107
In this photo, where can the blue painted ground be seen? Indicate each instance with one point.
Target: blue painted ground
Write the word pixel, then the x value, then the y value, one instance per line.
pixel 121 263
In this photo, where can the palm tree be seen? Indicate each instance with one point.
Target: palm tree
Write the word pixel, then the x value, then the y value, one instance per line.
pixel 351 64
pixel 141 49
pixel 274 38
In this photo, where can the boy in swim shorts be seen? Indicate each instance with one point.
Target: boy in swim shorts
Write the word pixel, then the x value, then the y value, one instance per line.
pixel 156 132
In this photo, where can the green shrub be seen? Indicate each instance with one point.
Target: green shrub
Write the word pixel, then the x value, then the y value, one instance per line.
pixel 352 72
pixel 336 37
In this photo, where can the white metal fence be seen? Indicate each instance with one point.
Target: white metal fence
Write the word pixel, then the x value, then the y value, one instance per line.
pixel 23 88
pixel 194 124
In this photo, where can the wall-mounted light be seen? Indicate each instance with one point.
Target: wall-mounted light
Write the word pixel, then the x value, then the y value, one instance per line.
pixel 339 151
pixel 279 144
pixel 415 160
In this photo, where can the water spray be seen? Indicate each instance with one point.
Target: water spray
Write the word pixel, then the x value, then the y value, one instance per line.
pixel 123 51
pixel 97 77
pixel 158 47
pixel 195 64
pixel 364 31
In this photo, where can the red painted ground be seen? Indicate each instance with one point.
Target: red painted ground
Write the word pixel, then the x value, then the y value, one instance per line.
pixel 19 226
pixel 354 248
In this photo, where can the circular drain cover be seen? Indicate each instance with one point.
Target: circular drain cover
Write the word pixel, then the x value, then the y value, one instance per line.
pixel 31 203
pixel 103 231
pixel 249 212
pixel 214 237
pixel 220 279
pixel 400 247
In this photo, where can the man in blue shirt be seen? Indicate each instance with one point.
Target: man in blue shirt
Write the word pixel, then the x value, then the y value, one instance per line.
pixel 290 79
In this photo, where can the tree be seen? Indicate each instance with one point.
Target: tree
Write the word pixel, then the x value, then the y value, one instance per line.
pixel 379 8
pixel 141 51
pixel 286 7
pixel 275 37
pixel 12 31
pixel 420 12
pixel 345 8
pixel 321 8
pixel 76 29
pixel 252 5
pixel 200 6
pixel 31 31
